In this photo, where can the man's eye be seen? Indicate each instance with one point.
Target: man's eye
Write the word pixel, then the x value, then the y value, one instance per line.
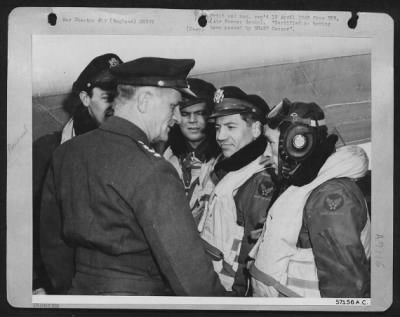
pixel 184 114
pixel 108 97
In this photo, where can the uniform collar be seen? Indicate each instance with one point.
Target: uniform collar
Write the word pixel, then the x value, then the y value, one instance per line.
pixel 124 127
pixel 83 121
pixel 199 152
pixel 241 158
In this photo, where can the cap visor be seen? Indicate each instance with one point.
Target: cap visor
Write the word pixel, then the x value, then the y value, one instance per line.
pixel 187 92
pixel 226 112
pixel 192 101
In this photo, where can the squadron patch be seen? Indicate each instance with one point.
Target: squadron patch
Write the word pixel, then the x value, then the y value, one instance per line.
pixel 264 189
pixel 333 202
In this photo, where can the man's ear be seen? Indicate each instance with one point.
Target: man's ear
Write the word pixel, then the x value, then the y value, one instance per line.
pixel 256 129
pixel 85 98
pixel 144 101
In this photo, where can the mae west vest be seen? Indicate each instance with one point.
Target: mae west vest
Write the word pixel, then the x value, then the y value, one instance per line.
pixel 301 276
pixel 282 269
pixel 218 225
pixel 199 189
pixel 68 132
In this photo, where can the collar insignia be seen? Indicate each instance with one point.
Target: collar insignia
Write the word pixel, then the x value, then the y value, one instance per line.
pixel 294 117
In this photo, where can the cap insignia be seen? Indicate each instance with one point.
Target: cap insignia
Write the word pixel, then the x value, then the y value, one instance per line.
pixel 219 96
pixel 113 62
pixel 294 117
pixel 160 83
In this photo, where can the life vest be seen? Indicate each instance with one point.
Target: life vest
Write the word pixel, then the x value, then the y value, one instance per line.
pixel 68 132
pixel 199 189
pixel 282 269
pixel 218 225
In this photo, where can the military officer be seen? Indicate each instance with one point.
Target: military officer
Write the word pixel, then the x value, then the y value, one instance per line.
pixel 192 143
pixel 123 223
pixel 96 90
pixel 242 185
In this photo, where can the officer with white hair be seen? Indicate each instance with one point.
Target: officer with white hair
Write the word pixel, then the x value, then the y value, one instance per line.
pixel 114 210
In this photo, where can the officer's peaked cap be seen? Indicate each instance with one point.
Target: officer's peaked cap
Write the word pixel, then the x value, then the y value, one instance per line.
pixel 155 71
pixel 232 100
pixel 96 73
pixel 204 93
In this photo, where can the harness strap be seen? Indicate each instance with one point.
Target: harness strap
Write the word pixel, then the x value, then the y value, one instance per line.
pixel 227 269
pixel 300 283
pixel 213 252
pixel 270 281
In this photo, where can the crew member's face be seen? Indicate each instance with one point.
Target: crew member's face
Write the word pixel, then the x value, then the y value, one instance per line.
pixel 273 138
pixel 99 104
pixel 233 133
pixel 194 121
pixel 164 112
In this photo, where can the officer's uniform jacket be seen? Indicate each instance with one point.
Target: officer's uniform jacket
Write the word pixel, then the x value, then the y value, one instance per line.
pixel 123 216
pixel 43 149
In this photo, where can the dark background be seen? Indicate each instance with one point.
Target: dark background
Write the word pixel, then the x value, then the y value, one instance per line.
pixel 391 7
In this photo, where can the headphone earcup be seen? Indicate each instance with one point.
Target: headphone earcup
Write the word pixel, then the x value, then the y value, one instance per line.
pixel 297 142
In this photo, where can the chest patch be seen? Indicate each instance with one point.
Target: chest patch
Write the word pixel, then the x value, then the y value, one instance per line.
pixel 264 189
pixel 333 202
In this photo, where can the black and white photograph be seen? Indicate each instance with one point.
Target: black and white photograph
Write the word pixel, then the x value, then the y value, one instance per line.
pixel 232 161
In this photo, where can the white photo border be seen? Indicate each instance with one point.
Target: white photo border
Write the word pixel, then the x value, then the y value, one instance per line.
pixel 25 23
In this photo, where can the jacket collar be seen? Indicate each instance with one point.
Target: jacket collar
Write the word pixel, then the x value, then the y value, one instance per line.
pixel 205 151
pixel 241 158
pixel 83 121
pixel 124 127
pixel 309 168
pixel 199 152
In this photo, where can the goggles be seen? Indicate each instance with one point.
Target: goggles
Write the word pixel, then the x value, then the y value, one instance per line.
pixel 283 112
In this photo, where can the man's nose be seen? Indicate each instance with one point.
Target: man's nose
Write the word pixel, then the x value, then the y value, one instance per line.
pixel 192 117
pixel 221 134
